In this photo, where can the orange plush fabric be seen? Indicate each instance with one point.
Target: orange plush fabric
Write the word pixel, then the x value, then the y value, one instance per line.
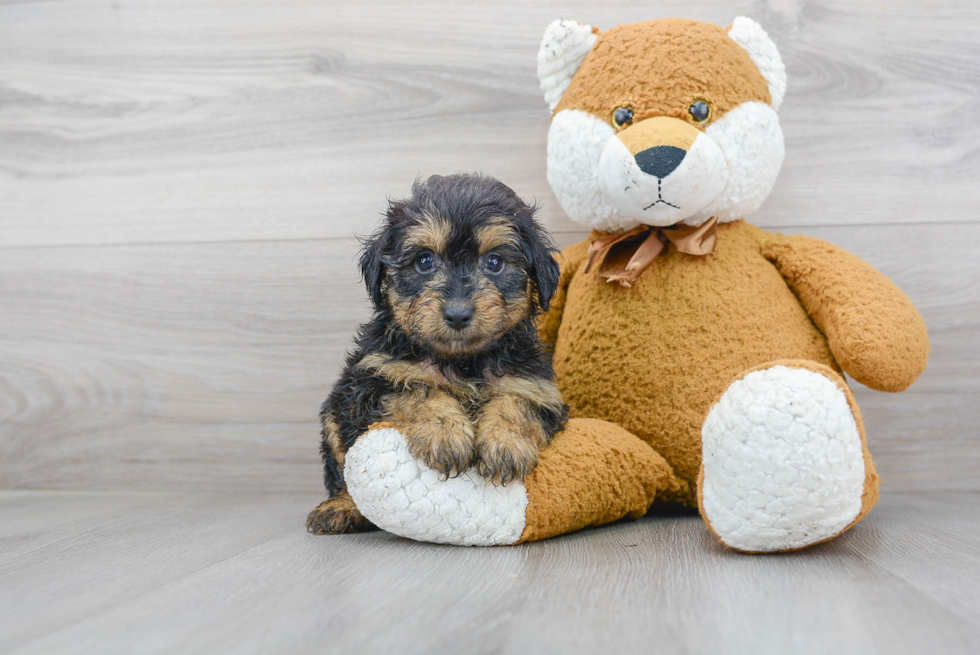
pixel 689 60
pixel 654 358
pixel 874 331
pixel 592 473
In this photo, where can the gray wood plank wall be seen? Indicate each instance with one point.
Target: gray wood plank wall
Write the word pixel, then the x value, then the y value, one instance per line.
pixel 180 182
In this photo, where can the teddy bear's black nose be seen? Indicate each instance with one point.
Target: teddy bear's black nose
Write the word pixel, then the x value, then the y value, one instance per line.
pixel 660 161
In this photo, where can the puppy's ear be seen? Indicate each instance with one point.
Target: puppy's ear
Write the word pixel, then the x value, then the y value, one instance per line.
pixel 373 267
pixel 547 272
pixel 373 254
pixel 540 250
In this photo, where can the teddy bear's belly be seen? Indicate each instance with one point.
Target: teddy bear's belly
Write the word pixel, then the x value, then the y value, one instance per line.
pixel 655 357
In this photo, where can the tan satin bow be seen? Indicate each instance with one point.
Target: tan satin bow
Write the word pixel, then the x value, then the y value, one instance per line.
pixel 642 244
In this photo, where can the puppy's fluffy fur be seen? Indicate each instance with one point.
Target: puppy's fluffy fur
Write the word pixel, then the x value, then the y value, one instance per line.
pixel 457 274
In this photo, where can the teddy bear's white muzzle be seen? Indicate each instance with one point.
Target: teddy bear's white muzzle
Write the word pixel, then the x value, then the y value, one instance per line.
pixel 654 190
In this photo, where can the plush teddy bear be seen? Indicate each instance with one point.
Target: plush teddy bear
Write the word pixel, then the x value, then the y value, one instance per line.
pixel 701 357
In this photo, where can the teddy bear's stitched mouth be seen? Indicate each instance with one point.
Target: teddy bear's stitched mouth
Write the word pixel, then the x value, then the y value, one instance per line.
pixel 660 197
pixel 657 202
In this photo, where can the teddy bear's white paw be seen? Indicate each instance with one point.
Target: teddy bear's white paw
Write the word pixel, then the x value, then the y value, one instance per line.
pixel 783 461
pixel 402 495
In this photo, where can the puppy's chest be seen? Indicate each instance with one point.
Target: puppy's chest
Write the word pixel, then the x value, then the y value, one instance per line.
pixel 472 391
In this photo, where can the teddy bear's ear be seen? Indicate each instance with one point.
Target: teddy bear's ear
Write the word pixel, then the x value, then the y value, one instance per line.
pixel 563 48
pixel 754 40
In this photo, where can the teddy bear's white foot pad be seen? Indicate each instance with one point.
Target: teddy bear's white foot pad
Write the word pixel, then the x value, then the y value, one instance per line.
pixel 402 495
pixel 783 461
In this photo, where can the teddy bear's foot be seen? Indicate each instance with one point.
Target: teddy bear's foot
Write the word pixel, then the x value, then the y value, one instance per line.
pixel 592 473
pixel 785 463
pixel 400 494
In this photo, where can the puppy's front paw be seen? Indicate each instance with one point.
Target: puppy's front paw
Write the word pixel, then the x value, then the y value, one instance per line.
pixel 436 429
pixel 445 443
pixel 508 438
pixel 504 455
pixel 337 515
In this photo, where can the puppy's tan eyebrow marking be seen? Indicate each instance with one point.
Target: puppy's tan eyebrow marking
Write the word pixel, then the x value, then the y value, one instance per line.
pixel 430 233
pixel 497 233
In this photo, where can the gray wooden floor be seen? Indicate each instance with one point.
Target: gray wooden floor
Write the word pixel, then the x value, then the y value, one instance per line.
pixel 169 572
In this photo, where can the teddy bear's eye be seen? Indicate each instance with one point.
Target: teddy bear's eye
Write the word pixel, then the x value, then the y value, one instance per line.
pixel 622 117
pixel 700 111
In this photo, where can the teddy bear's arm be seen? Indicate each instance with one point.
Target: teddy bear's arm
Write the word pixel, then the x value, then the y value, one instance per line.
pixel 873 329
pixel 571 260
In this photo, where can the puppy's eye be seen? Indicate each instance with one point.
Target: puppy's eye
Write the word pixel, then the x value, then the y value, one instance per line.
pixel 622 117
pixel 426 262
pixel 700 111
pixel 493 264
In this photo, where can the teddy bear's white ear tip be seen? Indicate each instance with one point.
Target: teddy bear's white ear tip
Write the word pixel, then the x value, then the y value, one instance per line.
pixel 563 48
pixel 754 40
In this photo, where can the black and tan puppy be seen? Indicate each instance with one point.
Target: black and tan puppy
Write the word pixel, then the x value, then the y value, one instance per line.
pixel 457 274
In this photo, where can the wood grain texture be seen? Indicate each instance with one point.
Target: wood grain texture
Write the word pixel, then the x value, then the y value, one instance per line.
pixel 202 365
pixel 177 366
pixel 179 182
pixel 236 573
pixel 134 122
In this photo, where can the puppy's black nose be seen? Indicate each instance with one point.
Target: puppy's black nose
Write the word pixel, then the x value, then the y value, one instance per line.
pixel 660 161
pixel 457 314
